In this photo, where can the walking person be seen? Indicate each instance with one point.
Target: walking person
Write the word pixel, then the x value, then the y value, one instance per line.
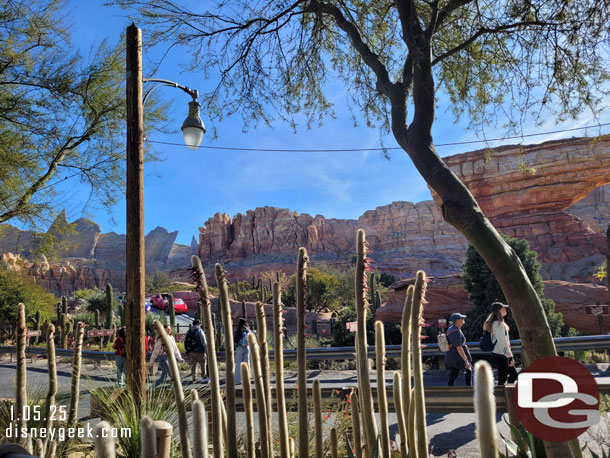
pixel 119 357
pixel 458 357
pixel 196 349
pixel 242 350
pixel 501 353
pixel 161 352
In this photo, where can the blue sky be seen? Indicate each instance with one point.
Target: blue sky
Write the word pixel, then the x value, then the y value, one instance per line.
pixel 189 187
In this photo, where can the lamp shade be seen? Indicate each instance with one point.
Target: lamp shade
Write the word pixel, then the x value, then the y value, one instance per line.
pixel 193 127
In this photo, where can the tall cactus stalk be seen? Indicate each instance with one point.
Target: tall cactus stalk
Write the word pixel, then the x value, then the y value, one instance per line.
pixel 52 373
pixel 201 286
pixel 301 279
pixel 261 404
pixel 278 344
pixel 261 323
pixel 364 382
pixel 334 443
pixel 200 430
pixel 109 310
pixel 148 438
pixel 485 407
pixel 172 311
pixel 418 376
pixel 63 333
pixel 21 398
pixel 398 406
pixel 381 392
pixel 64 304
pixel 223 288
pixel 353 398
pixel 104 445
pixel 247 394
pixel 76 369
pixel 244 310
pixel 37 326
pixel 185 445
pixel 405 358
pixel 412 427
pixel 317 415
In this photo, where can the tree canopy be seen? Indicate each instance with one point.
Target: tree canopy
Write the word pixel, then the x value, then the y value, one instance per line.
pixel 483 289
pixel 62 115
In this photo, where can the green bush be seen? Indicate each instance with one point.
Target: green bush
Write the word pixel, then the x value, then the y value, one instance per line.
pixel 16 288
pixel 483 289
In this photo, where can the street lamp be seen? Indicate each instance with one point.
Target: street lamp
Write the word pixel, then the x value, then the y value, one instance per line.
pixel 192 127
pixel 135 273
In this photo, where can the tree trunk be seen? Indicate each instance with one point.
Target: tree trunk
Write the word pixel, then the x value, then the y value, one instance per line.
pixel 460 209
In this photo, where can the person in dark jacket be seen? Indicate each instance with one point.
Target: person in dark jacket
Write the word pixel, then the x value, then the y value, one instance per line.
pixel 119 356
pixel 458 357
pixel 242 350
pixel 198 356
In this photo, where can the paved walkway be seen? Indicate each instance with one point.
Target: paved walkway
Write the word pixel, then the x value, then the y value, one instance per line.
pixel 446 431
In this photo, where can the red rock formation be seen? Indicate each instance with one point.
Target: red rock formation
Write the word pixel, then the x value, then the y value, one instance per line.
pixel 446 295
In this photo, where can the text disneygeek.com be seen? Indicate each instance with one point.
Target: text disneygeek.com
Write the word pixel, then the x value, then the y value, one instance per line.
pixel 60 434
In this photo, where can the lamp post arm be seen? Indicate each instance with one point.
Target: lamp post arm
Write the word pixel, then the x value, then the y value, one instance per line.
pixel 192 92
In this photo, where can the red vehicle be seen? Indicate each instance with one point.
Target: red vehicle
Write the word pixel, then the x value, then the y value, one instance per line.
pixel 161 302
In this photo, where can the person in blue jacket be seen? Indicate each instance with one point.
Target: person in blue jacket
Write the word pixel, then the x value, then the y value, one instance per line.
pixel 458 357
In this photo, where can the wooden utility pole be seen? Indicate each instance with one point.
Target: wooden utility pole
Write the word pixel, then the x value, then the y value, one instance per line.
pixel 135 261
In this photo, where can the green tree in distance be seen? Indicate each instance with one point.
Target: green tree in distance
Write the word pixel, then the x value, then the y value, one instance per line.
pixel 62 115
pixel 493 61
pixel 16 288
pixel 483 289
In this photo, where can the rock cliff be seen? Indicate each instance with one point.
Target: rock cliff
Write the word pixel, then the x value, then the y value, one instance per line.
pixel 530 192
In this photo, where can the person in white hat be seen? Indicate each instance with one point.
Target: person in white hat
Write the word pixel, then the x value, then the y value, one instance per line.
pixel 501 353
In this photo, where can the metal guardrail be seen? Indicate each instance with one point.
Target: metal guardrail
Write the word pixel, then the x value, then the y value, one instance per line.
pixel 599 342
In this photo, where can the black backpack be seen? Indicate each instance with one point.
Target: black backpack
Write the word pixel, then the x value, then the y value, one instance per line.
pixel 486 344
pixel 190 341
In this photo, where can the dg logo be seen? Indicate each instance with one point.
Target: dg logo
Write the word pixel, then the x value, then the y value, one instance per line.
pixel 557 399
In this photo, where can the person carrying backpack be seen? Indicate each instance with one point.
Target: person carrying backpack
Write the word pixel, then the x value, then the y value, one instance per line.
pixel 242 350
pixel 458 357
pixel 161 352
pixel 196 348
pixel 501 352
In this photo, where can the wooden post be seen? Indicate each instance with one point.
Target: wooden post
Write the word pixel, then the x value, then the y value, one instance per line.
pixel 135 266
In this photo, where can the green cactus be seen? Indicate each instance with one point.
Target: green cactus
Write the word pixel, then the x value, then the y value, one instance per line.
pixel 353 397
pixel 418 376
pixel 185 445
pixel 104 443
pixel 122 314
pixel 317 415
pixel 278 345
pixel 63 331
pixel 253 281
pixel 381 392
pixel 365 395
pixel 109 306
pixel 261 403
pixel 334 444
pixel 398 406
pixel 201 287
pixel 52 373
pixel 261 323
pixel 223 289
pixel 247 394
pixel 244 311
pixel 405 357
pixel 200 429
pixel 58 310
pixel 76 369
pixel 148 437
pixel 485 408
pixel 21 399
pixel 64 304
pixel 301 280
pixel 172 311
pixel 37 320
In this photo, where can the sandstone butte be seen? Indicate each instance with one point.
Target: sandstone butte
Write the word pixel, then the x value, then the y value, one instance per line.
pixel 552 194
